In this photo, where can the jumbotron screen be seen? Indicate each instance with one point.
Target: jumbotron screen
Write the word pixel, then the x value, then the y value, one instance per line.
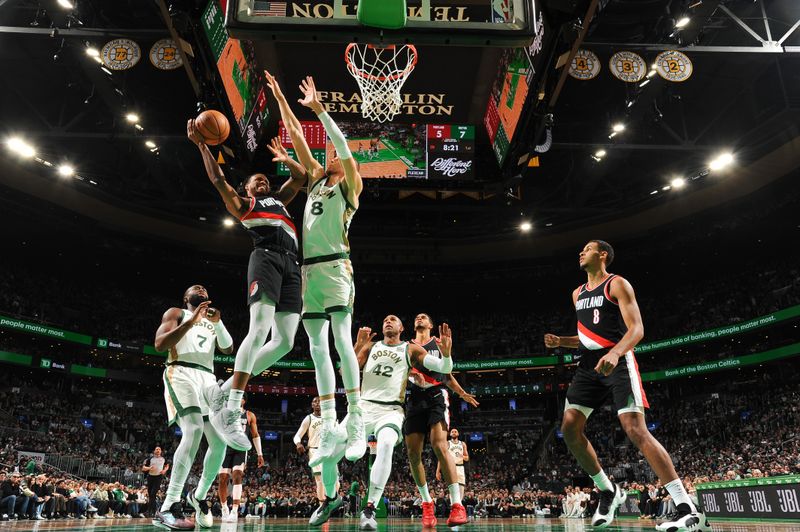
pixel 396 151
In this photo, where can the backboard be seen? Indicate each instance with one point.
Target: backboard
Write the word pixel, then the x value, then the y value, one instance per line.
pixel 504 23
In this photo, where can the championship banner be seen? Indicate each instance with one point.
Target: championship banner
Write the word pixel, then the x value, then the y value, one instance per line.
pixel 764 498
pixel 721 365
pixel 44 330
pixel 720 332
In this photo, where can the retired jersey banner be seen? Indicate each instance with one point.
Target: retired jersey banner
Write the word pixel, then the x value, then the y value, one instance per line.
pixel 720 332
pixel 764 498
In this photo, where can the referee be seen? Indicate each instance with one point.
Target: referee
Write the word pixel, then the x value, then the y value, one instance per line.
pixel 155 467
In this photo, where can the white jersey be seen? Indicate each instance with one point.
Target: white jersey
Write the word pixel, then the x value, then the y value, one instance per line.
pixel 197 345
pixel 311 424
pixel 456 449
pixel 386 374
pixel 326 221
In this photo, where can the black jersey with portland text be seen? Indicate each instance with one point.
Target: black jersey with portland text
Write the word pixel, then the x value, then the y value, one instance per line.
pixel 433 380
pixel 270 225
pixel 600 323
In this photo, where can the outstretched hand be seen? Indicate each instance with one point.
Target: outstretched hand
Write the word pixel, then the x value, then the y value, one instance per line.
pixel 280 155
pixel 364 336
pixel 445 340
pixel 272 83
pixel 310 98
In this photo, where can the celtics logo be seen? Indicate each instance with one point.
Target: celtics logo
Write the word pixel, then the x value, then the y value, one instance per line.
pixel 628 67
pixel 121 54
pixel 674 66
pixel 585 65
pixel 165 55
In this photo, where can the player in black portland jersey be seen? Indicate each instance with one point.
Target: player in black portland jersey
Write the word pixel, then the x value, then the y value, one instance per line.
pixel 609 327
pixel 235 463
pixel 273 278
pixel 428 413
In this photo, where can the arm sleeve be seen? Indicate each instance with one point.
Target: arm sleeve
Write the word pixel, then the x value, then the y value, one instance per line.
pixel 224 338
pixel 298 437
pixel 336 135
pixel 257 445
pixel 442 365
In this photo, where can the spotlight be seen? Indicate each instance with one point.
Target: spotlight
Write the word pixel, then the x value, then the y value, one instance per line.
pixel 678 182
pixel 138 127
pixel 600 154
pixel 132 117
pixel 525 227
pixel 653 193
pixel 721 161
pixel 92 52
pixel 682 22
pixel 618 128
pixel 21 147
pixel 630 104
pixel 66 4
pixel 228 222
pixel 66 170
pixel 150 144
pixel 645 82
pixel 652 73
pixel 666 187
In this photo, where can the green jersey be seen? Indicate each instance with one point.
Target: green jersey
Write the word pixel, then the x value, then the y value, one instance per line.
pixel 326 222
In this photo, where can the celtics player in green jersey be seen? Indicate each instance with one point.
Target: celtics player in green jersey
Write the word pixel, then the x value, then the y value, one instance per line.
pixel 328 289
pixel 190 336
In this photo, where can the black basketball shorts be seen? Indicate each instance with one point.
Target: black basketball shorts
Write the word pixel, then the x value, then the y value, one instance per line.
pixel 276 276
pixel 425 412
pixel 590 390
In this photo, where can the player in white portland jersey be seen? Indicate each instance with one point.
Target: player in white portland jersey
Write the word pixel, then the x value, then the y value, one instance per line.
pixel 190 335
pixel 312 424
pixel 458 450
pixel 386 366
pixel 328 289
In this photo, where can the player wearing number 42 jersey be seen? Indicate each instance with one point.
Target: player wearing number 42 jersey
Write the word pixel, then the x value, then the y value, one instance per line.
pixel 609 327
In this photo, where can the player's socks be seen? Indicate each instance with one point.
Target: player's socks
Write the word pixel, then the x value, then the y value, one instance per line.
pixel 455 493
pixel 602 481
pixel 678 494
pixel 424 493
pixel 235 399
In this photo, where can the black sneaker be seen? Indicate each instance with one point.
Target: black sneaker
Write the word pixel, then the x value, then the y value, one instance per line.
pixel 324 511
pixel 685 521
pixel 174 519
pixel 607 506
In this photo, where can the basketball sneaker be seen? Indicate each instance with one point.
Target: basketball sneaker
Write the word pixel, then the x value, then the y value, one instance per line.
pixel 686 521
pixel 328 439
pixel 607 507
pixel 428 517
pixel 227 423
pixel 356 439
pixel 458 515
pixel 368 521
pixel 324 510
pixel 173 518
pixel 202 513
pixel 215 397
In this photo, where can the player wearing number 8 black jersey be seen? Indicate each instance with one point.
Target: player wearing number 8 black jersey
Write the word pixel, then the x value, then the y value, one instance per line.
pixel 609 327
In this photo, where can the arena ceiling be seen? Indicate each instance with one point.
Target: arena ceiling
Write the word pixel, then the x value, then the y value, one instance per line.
pixel 742 98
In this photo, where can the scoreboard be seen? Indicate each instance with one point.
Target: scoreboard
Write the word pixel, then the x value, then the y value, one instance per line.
pixel 450 151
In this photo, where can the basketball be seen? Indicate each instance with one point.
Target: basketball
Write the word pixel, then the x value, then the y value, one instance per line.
pixel 213 126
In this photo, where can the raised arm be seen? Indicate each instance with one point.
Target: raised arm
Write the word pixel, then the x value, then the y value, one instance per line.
pixel 420 358
pixel 298 175
pixel 170 331
pixel 363 345
pixel 294 128
pixel 233 202
pixel 255 437
pixel 352 178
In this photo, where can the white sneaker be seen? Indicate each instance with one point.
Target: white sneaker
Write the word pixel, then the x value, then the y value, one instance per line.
pixel 686 521
pixel 356 439
pixel 251 516
pixel 202 513
pixel 327 443
pixel 215 397
pixel 227 424
pixel 367 521
pixel 232 517
pixel 225 511
pixel 607 507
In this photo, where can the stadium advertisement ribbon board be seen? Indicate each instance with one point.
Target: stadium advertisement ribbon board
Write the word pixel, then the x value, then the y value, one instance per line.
pixel 765 498
pixel 720 332
pixel 44 330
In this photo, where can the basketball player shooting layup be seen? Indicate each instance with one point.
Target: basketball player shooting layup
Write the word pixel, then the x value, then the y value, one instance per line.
pixel 609 327
pixel 190 336
pixel 328 289
pixel 273 277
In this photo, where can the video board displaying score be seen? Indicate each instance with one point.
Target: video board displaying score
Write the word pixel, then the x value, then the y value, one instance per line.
pixel 395 151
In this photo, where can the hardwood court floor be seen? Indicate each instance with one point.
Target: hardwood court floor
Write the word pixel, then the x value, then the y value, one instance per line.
pixel 392 525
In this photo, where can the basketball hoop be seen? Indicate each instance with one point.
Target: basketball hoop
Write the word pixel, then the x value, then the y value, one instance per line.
pixel 380 72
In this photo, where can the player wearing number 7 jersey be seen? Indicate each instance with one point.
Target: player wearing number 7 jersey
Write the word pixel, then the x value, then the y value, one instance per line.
pixel 328 289
pixel 609 327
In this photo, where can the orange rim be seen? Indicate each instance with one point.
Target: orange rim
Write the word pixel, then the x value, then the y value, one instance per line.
pixel 362 74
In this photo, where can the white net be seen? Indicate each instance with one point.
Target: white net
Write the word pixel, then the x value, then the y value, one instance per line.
pixel 380 73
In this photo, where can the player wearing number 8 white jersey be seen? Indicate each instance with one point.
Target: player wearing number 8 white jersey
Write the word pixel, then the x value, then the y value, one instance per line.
pixel 328 288
pixel 609 327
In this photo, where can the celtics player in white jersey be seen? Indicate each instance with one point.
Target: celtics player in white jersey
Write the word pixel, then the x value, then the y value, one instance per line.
pixel 328 289
pixel 458 450
pixel 190 335
pixel 311 425
pixel 386 365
